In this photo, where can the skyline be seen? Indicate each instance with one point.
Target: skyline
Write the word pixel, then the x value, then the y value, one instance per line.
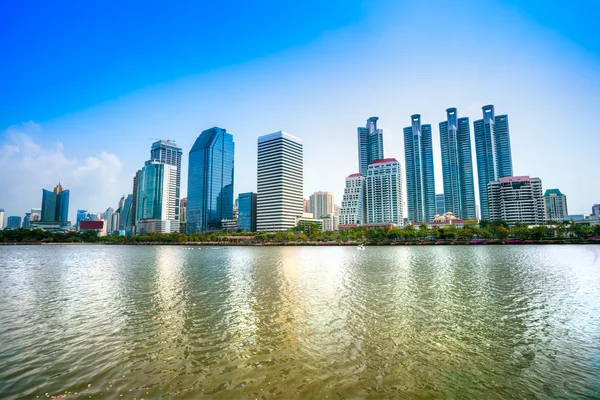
pixel 309 86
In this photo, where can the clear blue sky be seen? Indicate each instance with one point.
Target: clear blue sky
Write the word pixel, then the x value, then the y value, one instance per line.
pixel 85 85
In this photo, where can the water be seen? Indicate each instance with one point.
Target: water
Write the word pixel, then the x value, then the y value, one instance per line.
pixel 300 322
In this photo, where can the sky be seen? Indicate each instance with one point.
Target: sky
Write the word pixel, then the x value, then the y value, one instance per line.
pixel 85 88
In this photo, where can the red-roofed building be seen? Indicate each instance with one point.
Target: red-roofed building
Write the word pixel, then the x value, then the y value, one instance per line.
pixel 98 226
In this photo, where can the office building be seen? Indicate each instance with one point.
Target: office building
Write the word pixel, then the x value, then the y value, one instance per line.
pixel 440 204
pixel 420 182
pixel 494 159
pixel 596 210
pixel 321 204
pixel 210 181
pixel 517 199
pixel 330 222
pixel 14 222
pixel 457 166
pixel 370 145
pixel 353 210
pixel 555 204
pixel 80 217
pixel 55 205
pixel 280 181
pixel 168 152
pixel 384 192
pixel 182 215
pixel 247 212
pixel 2 218
pixel 156 197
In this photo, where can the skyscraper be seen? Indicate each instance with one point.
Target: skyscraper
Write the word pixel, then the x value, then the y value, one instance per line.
pixel 210 181
pixel 247 212
pixel 166 151
pixel 80 216
pixel 280 181
pixel 440 204
pixel 156 198
pixel 384 192
pixel 596 210
pixel 108 217
pixel 126 215
pixel 2 218
pixel 321 204
pixel 420 182
pixel 134 202
pixel 556 205
pixel 55 205
pixel 516 199
pixel 494 159
pixel 353 210
pixel 370 145
pixel 457 166
pixel 182 215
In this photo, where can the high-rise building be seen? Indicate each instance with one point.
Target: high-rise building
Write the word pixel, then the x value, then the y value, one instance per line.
pixel 168 152
pixel 210 181
pixel 494 159
pixel 36 215
pixel 247 212
pixel 134 201
pixel 280 181
pixel 14 222
pixel 457 166
pixel 440 204
pixel 156 198
pixel 182 215
pixel 384 192
pixel 321 204
pixel 370 144
pixel 556 205
pixel 80 216
pixel 2 218
pixel 55 205
pixel 25 223
pixel 517 199
pixel 420 182
pixel 126 215
pixel 330 222
pixel 353 210
pixel 596 210
pixel 306 207
pixel 108 217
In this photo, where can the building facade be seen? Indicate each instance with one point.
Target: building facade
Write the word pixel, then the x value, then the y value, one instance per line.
pixel 280 181
pixel 420 182
pixel 156 196
pixel 370 144
pixel 384 192
pixel 182 215
pixel 321 204
pixel 440 204
pixel 596 210
pixel 55 205
pixel 494 159
pixel 517 199
pixel 2 218
pixel 210 181
pixel 556 205
pixel 14 222
pixel 353 210
pixel 168 152
pixel 457 166
pixel 247 212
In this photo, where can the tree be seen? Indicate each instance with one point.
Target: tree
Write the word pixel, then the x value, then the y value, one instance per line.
pixel 539 232
pixel 501 232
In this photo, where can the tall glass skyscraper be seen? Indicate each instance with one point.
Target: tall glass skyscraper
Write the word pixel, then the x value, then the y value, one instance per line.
pixel 494 159
pixel 247 212
pixel 55 205
pixel 210 181
pixel 420 182
pixel 440 204
pixel 166 151
pixel 156 191
pixel 457 166
pixel 370 145
pixel 280 182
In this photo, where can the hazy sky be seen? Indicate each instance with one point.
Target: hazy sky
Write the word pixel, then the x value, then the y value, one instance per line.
pixel 85 86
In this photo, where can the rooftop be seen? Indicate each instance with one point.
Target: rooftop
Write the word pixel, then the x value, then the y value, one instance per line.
pixel 280 134
pixel 384 160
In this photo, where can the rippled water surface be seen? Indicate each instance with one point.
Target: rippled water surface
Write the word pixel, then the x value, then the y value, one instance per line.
pixel 300 322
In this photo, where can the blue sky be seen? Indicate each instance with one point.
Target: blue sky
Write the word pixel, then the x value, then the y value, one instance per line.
pixel 84 86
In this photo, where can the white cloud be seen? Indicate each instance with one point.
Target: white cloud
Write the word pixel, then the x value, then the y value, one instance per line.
pixel 27 167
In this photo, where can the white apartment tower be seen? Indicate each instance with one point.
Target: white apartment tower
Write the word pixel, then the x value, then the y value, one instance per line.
pixel 352 211
pixel 321 204
pixel 384 192
pixel 517 199
pixel 280 182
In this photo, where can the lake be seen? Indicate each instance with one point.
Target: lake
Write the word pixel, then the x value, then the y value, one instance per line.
pixel 299 322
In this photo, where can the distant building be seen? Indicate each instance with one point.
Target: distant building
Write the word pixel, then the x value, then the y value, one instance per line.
pixel 330 222
pixel 247 212
pixel 168 152
pixel 440 205
pixel 517 199
pixel 353 210
pixel 182 215
pixel 384 192
pixel 457 166
pixel 420 182
pixel 134 201
pixel 306 207
pixel 55 205
pixel 97 226
pixel 81 214
pixel 596 210
pixel 108 217
pixel 370 145
pixel 210 181
pixel 321 204
pixel 2 218
pixel 308 217
pixel 126 215
pixel 156 198
pixel 556 205
pixel 494 159
pixel 280 181
pixel 14 222
pixel 25 223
